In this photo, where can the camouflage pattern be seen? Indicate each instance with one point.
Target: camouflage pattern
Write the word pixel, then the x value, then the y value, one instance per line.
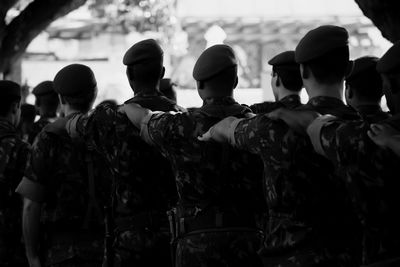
pixel 210 178
pixel 73 231
pixel 13 158
pixel 307 223
pixel 372 113
pixel 290 102
pixel 372 182
pixel 37 127
pixel 228 248
pixel 144 187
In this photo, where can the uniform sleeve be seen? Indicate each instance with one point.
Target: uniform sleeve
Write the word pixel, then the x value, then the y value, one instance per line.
pixel 339 141
pixel 32 185
pixel 258 134
pixel 164 128
pixel 96 129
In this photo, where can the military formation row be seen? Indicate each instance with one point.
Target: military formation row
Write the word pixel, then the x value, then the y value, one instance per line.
pixel 149 183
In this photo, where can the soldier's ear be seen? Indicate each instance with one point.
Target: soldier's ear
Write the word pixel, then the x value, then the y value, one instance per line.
pixel 305 71
pixel 62 100
pixel 277 81
pixel 162 73
pixel 349 92
pixel 129 73
pixel 236 82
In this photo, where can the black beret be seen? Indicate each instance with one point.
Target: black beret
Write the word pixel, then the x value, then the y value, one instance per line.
pixel 362 65
pixel 320 41
pixel 9 89
pixel 212 61
pixel 284 58
pixel 142 51
pixel 44 88
pixel 390 61
pixel 74 80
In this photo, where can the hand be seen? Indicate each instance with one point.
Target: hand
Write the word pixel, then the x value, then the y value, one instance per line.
pixel 384 135
pixel 219 132
pixel 298 120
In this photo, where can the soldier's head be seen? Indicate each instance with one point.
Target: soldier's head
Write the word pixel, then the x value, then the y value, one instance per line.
pixel 46 98
pixel 323 55
pixel 389 68
pixel 144 65
pixel 167 88
pixel 364 84
pixel 216 72
pixel 76 86
pixel 286 78
pixel 10 101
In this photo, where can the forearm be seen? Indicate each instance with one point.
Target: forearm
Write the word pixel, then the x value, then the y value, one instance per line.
pixel 394 144
pixel 136 114
pixel 30 228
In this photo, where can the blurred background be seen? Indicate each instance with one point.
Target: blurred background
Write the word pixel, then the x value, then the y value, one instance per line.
pixel 98 32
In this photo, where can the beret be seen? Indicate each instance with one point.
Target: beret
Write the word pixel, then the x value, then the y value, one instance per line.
pixel 44 88
pixel 362 65
pixel 212 61
pixel 74 80
pixel 142 51
pixel 320 41
pixel 284 58
pixel 9 89
pixel 390 61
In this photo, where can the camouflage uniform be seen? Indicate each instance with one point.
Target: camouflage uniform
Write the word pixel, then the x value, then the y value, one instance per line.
pixel 290 102
pixel 63 176
pixel 143 184
pixel 372 113
pixel 371 179
pixel 219 188
pixel 37 127
pixel 305 225
pixel 14 155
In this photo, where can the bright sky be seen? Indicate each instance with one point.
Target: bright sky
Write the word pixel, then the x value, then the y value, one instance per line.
pixel 267 8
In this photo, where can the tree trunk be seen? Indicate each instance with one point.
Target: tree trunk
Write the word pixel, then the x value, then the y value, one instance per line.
pixel 17 35
pixel 385 15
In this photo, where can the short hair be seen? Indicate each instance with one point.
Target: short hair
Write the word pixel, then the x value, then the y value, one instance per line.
pixel 224 80
pixel 82 102
pixel 49 102
pixel 367 85
pixel 6 102
pixel 331 67
pixel 148 71
pixel 290 78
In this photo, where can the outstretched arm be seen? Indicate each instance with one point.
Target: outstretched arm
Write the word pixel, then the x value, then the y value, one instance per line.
pixel 30 228
pixel 222 131
pixel 136 114
pixel 385 136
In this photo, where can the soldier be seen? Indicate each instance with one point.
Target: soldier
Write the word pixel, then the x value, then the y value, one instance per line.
pixel 364 89
pixel 286 84
pixel 167 87
pixel 219 188
pixel 309 221
pixel 143 186
pixel 14 154
pixel 47 102
pixel 62 180
pixel 371 172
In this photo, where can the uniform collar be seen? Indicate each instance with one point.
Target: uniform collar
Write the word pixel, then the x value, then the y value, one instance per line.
pixel 289 100
pixel 223 101
pixel 223 107
pixel 369 109
pixel 325 101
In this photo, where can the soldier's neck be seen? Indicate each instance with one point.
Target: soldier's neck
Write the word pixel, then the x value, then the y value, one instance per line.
pixel 327 90
pixel 68 110
pixel 284 93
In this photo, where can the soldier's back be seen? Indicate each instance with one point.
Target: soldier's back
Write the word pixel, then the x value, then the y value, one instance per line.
pixel 220 190
pixel 14 155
